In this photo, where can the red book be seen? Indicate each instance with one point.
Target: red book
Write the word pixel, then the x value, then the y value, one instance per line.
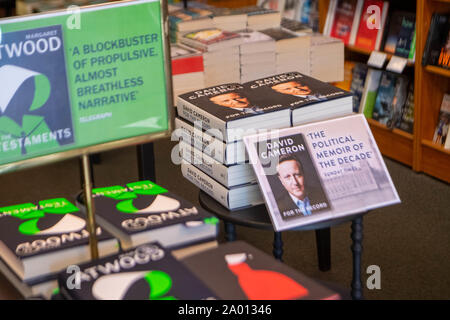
pixel 185 60
pixel 187 65
pixel 343 20
pixel 371 25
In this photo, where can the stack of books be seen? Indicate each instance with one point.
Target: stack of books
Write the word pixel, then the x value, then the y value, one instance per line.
pixel 39 241
pixel 187 69
pixel 262 18
pixel 220 54
pixel 213 121
pixel 292 50
pixel 142 212
pixel 187 20
pixel 326 58
pixel 257 55
pixel 229 19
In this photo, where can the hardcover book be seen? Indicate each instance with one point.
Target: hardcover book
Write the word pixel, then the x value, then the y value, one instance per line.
pixel 232 110
pixel 234 198
pixel 435 46
pixel 148 272
pixel 345 20
pixel 35 111
pixel 407 118
pixel 310 99
pixel 185 59
pixel 406 35
pixel 320 171
pixel 211 39
pixel 239 271
pixel 385 97
pixel 285 40
pixel 226 153
pixel 399 20
pixel 143 212
pixel 255 41
pixel 441 131
pixel 370 92
pixel 371 25
pixel 398 102
pixel 42 287
pixel 229 176
pixel 37 241
pixel 187 19
pixel 295 26
pixel 359 74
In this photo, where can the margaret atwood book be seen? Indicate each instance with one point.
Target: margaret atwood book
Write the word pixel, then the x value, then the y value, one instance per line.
pixel 148 272
pixel 143 212
pixel 239 271
pixel 37 241
pixel 320 171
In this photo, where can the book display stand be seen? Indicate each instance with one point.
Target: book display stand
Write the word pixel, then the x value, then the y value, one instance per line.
pixel 50 134
pixel 258 217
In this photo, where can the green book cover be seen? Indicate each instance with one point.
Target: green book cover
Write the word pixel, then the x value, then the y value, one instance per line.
pixel 142 212
pixel 74 79
pixel 371 89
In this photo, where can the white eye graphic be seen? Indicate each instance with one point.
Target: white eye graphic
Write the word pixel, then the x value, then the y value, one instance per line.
pixel 161 203
pixel 69 223
pixel 11 79
pixel 115 286
pixel 193 224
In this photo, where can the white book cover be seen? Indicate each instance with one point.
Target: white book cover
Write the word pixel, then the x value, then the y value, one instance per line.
pixel 320 171
pixel 356 20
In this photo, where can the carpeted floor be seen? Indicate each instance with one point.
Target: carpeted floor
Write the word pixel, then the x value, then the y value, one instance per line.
pixel 410 242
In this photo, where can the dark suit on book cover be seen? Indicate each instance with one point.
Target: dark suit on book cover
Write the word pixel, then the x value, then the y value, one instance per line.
pixel 286 203
pixel 298 198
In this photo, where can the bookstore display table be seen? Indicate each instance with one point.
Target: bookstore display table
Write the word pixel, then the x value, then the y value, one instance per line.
pixel 258 217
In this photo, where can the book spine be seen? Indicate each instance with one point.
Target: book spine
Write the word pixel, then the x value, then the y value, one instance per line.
pixel 194 114
pixel 383 22
pixel 356 20
pixel 201 141
pixel 412 51
pixel 426 51
pixel 205 183
pixel 330 17
pixel 206 164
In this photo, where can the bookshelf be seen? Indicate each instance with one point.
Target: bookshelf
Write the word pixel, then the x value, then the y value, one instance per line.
pixel 415 150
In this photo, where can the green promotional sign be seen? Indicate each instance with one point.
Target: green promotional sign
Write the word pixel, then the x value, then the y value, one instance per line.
pixel 80 78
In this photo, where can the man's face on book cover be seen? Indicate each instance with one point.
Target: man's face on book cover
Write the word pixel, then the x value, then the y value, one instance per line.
pixel 293 88
pixel 231 100
pixel 291 176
